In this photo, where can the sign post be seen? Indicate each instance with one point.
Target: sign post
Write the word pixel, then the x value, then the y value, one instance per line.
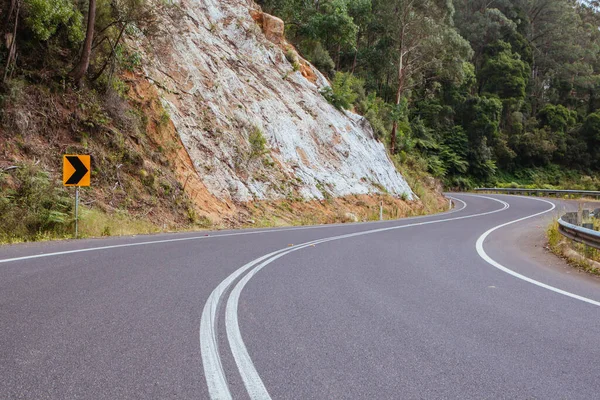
pixel 76 172
pixel 76 211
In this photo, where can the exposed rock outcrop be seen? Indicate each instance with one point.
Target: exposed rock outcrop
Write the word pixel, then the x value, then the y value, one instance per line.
pixel 255 125
pixel 273 28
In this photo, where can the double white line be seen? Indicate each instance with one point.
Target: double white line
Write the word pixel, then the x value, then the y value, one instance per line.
pixel 211 360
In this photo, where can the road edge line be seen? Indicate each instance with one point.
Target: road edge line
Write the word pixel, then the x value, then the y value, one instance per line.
pixel 250 376
pixel 494 263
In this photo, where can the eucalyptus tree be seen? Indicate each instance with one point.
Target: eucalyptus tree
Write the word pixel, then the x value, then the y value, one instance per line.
pixel 424 38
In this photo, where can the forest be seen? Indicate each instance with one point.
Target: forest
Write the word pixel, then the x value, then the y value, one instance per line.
pixel 474 92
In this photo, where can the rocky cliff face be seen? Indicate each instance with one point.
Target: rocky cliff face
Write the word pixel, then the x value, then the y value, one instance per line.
pixel 255 126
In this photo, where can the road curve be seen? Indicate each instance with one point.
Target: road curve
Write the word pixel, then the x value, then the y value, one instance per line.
pixel 446 306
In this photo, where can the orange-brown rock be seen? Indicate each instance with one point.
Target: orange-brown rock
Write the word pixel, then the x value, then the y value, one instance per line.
pixel 257 16
pixel 273 28
pixel 307 72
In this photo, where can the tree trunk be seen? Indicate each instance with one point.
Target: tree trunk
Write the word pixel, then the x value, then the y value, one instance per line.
pixel 84 62
pixel 12 41
pixel 112 53
pixel 354 62
pixel 13 4
pixel 394 133
pixel 401 74
pixel 358 35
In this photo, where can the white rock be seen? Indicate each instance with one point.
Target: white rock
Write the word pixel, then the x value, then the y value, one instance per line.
pixel 220 79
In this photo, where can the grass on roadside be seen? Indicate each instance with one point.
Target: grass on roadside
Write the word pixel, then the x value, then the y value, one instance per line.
pixel 577 254
pixel 95 223
pixel 34 207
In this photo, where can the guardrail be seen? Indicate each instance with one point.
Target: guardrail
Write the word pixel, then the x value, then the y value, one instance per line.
pixel 589 193
pixel 567 228
pixel 567 224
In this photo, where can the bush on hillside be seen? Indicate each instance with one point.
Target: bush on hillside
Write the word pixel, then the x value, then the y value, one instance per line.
pixel 32 205
pixel 258 143
pixel 45 17
pixel 344 91
pixel 320 58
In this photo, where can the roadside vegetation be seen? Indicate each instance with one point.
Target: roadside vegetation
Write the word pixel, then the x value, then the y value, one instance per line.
pixel 462 92
pixel 69 83
pixel 36 207
pixel 476 93
pixel 579 255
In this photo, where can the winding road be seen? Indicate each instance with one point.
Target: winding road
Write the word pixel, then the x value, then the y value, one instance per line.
pixel 465 304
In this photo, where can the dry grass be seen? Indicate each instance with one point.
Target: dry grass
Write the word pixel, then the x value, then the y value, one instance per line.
pixel 95 223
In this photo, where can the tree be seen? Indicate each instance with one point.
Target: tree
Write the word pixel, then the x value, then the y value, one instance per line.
pixel 591 133
pixel 503 73
pixel 482 22
pixel 84 61
pixel 424 38
pixel 361 12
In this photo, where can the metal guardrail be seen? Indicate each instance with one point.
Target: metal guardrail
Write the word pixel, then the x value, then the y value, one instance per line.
pixel 567 228
pixel 591 193
pixel 567 224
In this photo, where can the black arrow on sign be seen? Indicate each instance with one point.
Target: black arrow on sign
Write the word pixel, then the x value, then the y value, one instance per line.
pixel 80 170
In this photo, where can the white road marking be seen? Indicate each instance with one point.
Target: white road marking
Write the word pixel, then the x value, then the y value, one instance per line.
pixel 211 361
pixel 252 381
pixel 489 260
pixel 205 236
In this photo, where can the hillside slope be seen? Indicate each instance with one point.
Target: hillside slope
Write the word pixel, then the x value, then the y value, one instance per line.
pixel 212 120
pixel 226 86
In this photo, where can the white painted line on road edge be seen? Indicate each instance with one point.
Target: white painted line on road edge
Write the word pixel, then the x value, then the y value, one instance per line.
pixel 489 260
pixel 116 246
pixel 252 381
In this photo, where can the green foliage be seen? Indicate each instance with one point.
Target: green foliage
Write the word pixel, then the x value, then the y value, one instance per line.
pixel 32 205
pixel 378 113
pixel 291 56
pixel 45 17
pixel 591 134
pixel 591 128
pixel 557 117
pixel 503 73
pixel 129 60
pixel 344 91
pixel 258 143
pixel 535 147
pixel 50 34
pixel 333 25
pixel 319 57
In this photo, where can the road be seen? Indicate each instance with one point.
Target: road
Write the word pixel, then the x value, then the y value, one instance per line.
pixel 454 305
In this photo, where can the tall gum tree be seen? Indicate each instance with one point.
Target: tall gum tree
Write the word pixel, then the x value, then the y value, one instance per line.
pixel 424 39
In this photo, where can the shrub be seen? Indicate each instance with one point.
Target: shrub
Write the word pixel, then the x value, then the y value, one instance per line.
pixel 45 17
pixel 344 90
pixel 378 112
pixel 292 57
pixel 320 58
pixel 257 143
pixel 32 205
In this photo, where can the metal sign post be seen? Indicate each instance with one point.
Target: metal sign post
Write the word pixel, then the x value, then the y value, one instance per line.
pixel 76 211
pixel 76 172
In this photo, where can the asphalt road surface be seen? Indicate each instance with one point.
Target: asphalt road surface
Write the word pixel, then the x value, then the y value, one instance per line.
pixel 455 305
